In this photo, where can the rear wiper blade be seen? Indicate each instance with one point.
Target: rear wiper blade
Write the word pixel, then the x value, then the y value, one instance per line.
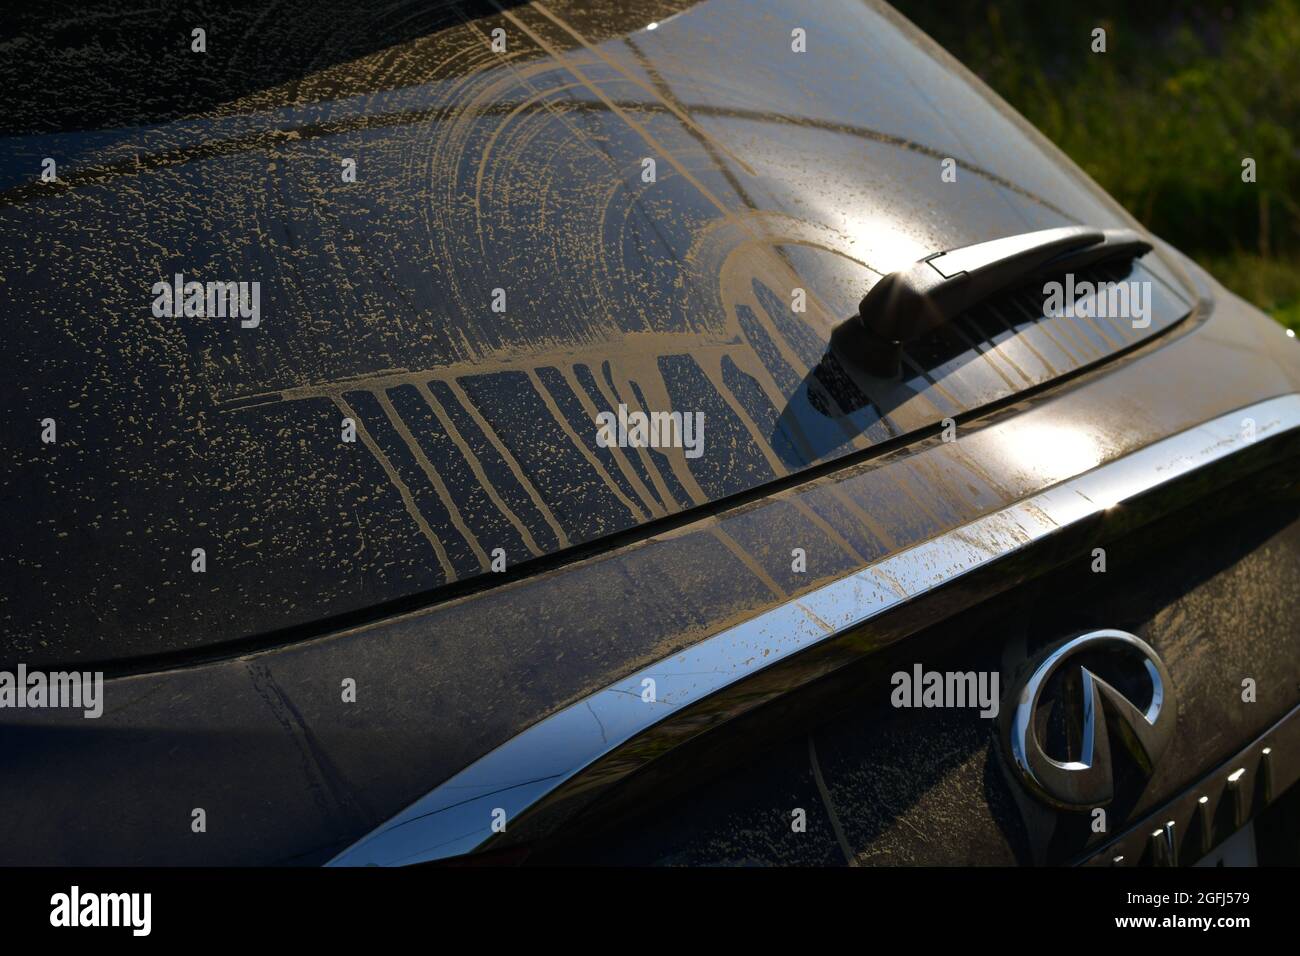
pixel 907 304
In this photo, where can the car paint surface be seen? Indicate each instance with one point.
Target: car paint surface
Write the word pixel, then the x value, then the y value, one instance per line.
pixel 177 433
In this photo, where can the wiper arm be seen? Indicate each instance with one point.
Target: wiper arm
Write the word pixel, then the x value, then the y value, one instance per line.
pixel 905 305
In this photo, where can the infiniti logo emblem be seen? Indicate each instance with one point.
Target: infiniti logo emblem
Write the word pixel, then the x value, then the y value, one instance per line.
pixel 1097 712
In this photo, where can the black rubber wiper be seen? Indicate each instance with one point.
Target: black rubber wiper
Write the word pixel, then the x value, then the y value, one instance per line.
pixel 905 305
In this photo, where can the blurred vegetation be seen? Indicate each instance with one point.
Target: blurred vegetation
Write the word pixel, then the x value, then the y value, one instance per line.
pixel 1162 119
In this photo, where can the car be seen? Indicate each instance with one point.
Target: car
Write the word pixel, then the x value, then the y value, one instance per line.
pixel 655 433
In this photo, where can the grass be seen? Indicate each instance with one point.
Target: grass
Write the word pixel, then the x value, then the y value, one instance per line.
pixel 1164 118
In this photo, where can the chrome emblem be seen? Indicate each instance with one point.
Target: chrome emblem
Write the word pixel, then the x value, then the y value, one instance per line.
pixel 1097 712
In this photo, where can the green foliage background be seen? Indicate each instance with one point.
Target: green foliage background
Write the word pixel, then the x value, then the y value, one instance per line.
pixel 1163 118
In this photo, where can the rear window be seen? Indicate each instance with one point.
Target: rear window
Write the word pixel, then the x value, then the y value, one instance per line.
pixel 419 308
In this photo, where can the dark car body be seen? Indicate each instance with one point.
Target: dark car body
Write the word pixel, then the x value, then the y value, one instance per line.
pixel 492 582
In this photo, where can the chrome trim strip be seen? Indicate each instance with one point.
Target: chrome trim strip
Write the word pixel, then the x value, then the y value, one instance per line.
pixel 456 817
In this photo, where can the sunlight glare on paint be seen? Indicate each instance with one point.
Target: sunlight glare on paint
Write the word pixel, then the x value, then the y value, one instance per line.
pixel 1053 452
